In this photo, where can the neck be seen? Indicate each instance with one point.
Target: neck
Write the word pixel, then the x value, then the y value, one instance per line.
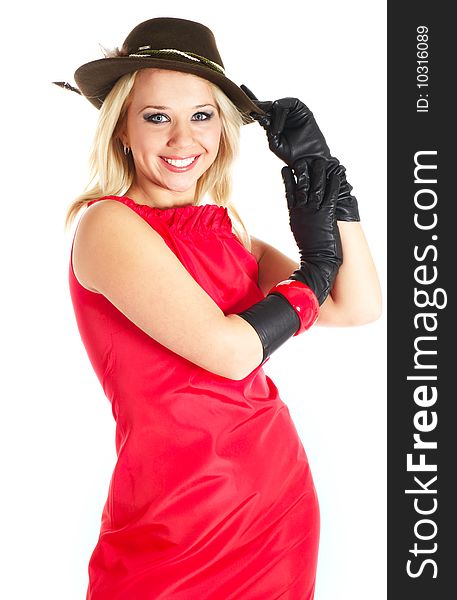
pixel 156 196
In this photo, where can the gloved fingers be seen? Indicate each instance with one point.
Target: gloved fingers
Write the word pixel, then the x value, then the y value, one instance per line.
pixel 290 112
pixel 280 114
pixel 331 190
pixel 298 117
pixel 265 105
pixel 318 176
pixel 289 183
pixel 264 121
pixel 301 170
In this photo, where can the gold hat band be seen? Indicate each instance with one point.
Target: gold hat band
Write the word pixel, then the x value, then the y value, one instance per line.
pixel 148 51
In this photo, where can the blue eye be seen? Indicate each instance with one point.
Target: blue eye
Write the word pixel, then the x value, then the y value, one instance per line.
pixel 207 116
pixel 150 118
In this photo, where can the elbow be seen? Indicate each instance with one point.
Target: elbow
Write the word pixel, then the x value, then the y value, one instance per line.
pixel 364 315
pixel 366 319
pixel 238 376
pixel 242 374
pixel 228 370
pixel 373 311
pixel 240 371
pixel 233 372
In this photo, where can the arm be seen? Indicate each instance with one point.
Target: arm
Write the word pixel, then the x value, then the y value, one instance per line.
pixel 119 255
pixel 355 298
pixel 292 133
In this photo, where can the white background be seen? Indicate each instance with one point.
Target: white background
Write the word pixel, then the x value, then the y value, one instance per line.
pixel 57 442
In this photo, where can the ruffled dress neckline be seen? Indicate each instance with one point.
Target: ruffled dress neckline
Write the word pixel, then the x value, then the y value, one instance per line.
pixel 187 218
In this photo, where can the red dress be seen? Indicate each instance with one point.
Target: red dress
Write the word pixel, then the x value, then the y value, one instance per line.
pixel 211 497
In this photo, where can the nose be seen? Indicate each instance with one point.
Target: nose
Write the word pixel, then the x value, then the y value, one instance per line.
pixel 181 135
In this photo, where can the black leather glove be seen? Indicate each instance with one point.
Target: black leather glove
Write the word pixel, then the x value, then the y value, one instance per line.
pixel 293 134
pixel 311 201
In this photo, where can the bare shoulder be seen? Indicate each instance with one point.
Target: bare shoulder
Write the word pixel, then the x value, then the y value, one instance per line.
pixel 99 227
pixel 103 211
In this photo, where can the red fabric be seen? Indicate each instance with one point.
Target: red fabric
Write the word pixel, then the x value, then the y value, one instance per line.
pixel 211 497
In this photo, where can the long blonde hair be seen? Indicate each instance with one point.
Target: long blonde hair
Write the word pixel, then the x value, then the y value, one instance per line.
pixel 112 172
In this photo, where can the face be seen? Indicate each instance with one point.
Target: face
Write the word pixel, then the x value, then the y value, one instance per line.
pixel 173 128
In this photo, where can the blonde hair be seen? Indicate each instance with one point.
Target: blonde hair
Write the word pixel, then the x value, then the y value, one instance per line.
pixel 112 172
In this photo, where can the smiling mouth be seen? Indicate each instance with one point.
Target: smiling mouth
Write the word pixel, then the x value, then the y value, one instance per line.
pixel 180 165
pixel 180 162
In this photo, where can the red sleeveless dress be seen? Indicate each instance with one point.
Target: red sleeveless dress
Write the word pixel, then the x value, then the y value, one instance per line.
pixel 211 497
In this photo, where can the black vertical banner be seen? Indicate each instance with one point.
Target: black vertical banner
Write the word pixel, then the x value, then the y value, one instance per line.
pixel 422 261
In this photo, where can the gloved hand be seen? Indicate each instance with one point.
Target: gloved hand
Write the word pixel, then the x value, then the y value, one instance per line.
pixel 293 134
pixel 311 201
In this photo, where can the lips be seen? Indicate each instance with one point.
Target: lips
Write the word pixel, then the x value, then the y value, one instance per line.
pixel 181 157
pixel 180 169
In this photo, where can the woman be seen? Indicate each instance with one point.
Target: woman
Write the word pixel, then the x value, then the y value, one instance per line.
pixel 212 496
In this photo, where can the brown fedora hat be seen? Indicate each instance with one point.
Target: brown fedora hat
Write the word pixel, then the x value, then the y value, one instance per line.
pixel 165 43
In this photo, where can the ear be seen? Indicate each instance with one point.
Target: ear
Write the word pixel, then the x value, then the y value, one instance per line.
pixel 121 134
pixel 122 137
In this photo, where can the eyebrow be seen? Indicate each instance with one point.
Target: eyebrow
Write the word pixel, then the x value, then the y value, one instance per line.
pixel 168 108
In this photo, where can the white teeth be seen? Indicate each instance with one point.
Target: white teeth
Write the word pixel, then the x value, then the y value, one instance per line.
pixel 180 163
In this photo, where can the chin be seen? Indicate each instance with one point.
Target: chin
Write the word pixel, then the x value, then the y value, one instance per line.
pixel 180 188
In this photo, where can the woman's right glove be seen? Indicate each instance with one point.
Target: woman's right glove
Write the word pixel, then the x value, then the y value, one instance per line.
pixel 292 306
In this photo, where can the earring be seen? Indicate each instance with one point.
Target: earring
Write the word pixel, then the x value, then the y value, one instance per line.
pixel 126 149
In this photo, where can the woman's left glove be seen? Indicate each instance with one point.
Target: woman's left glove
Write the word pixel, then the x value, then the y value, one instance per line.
pixel 293 134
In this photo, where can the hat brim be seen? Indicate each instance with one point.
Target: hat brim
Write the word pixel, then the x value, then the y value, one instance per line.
pixel 96 79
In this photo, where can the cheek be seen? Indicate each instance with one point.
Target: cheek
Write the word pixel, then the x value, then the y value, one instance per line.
pixel 144 136
pixel 213 138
